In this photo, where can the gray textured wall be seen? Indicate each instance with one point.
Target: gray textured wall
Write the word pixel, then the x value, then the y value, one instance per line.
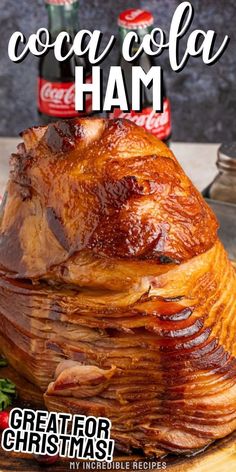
pixel 203 98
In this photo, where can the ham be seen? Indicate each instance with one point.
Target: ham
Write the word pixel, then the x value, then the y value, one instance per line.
pixel 117 298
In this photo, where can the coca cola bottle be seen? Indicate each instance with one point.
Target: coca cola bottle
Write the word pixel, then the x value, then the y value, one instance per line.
pixel 56 87
pixel 157 123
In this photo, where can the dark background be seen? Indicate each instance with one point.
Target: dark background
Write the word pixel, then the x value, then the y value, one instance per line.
pixel 203 98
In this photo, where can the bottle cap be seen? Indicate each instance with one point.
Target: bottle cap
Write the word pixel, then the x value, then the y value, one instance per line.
pixel 227 156
pixel 135 18
pixel 60 2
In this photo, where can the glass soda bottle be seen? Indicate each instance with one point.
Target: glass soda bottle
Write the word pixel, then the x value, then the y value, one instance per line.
pixel 56 80
pixel 157 123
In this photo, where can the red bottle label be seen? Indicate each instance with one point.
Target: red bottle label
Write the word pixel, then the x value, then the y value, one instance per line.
pixel 58 99
pixel 157 123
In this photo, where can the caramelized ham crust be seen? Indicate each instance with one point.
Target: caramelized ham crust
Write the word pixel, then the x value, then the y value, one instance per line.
pixel 105 186
pixel 116 297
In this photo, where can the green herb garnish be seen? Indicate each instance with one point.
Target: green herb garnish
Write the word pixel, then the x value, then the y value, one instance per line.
pixel 7 393
pixel 3 362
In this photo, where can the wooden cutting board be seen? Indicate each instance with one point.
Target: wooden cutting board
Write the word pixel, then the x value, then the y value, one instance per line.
pixel 220 457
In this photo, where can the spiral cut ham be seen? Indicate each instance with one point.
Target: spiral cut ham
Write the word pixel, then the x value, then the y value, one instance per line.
pixel 116 297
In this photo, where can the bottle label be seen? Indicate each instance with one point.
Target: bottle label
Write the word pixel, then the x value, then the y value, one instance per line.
pixel 157 123
pixel 58 98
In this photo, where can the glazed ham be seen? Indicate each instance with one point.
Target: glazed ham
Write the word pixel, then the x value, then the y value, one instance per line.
pixel 116 297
